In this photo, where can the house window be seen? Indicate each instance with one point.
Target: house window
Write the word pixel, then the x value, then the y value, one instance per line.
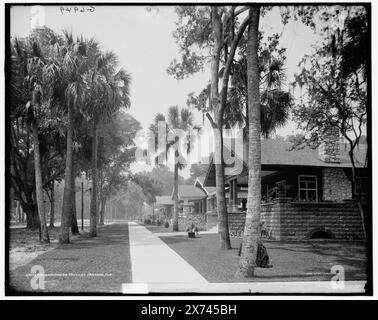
pixel 307 188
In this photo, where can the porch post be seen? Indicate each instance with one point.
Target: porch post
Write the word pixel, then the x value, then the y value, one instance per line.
pixel 230 200
pixel 235 195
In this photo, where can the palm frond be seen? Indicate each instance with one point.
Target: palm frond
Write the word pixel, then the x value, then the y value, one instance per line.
pixel 174 117
pixel 186 118
pixel 158 118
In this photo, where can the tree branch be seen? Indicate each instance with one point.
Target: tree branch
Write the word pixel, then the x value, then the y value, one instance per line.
pixel 213 125
pixel 241 10
pixel 227 68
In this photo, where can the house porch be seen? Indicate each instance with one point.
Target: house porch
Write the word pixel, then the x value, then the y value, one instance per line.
pixel 297 203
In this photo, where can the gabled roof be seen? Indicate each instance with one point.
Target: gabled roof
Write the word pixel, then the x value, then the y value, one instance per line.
pixel 280 153
pixel 199 184
pixel 164 200
pixel 190 191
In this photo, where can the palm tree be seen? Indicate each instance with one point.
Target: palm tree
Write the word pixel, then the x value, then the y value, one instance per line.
pixel 30 65
pixel 106 92
pixel 74 57
pixel 275 103
pixel 35 103
pixel 271 112
pixel 182 120
pixel 178 119
pixel 251 235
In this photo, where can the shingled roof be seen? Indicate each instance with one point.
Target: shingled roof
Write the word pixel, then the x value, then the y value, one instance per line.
pixel 280 153
pixel 190 191
pixel 164 200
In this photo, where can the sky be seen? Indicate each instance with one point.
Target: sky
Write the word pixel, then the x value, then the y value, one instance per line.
pixel 145 47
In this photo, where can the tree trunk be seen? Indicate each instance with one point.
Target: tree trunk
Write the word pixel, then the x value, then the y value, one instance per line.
pixel 218 104
pixel 22 215
pixel 52 204
pixel 175 224
pixel 12 206
pixel 223 230
pixel 93 209
pixel 100 196
pixel 102 211
pixel 224 236
pixel 67 195
pixel 251 235
pixel 18 211
pixel 74 227
pixel 32 218
pixel 358 194
pixel 44 234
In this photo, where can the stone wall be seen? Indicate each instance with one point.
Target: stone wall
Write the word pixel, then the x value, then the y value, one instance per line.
pixel 236 223
pixel 329 149
pixel 336 185
pixel 297 220
pixel 199 221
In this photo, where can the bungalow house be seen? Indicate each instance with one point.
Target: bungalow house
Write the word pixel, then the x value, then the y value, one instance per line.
pixel 191 203
pixel 305 193
pixel 211 200
pixel 164 204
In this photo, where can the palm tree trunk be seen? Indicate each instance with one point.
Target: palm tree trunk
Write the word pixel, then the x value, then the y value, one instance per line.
pixel 52 204
pixel 44 234
pixel 102 211
pixel 175 225
pixel 67 195
pixel 101 197
pixel 74 227
pixel 93 209
pixel 251 235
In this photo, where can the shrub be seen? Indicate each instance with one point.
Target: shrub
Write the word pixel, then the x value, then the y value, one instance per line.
pixel 166 224
pixel 147 221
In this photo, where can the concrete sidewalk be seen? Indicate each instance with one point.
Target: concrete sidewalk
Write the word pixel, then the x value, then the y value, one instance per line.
pixel 156 268
pixel 292 287
pixel 153 261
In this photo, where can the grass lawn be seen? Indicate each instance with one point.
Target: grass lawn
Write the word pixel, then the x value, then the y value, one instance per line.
pixel 24 245
pixel 89 265
pixel 292 261
pixel 157 229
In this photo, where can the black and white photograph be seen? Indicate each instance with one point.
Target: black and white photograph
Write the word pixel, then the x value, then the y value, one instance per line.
pixel 195 149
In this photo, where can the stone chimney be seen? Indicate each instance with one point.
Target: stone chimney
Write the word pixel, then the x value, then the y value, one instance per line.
pixel 329 149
